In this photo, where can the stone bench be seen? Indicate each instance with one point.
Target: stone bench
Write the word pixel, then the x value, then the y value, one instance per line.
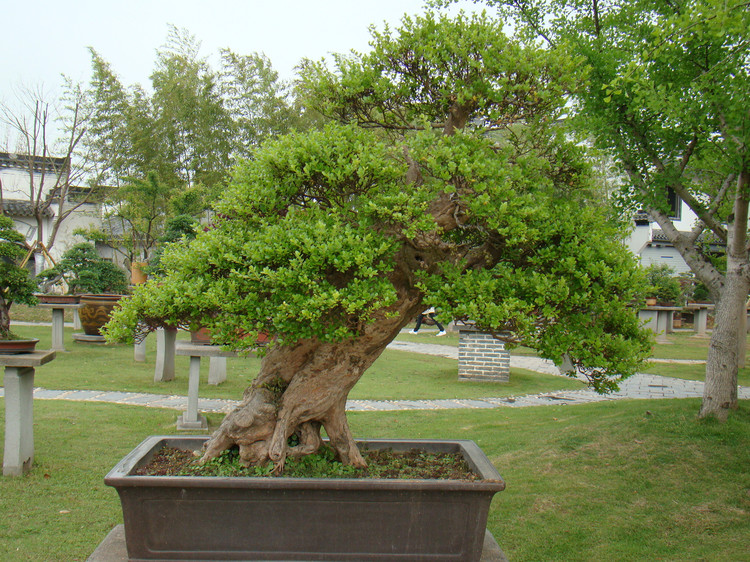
pixel 659 319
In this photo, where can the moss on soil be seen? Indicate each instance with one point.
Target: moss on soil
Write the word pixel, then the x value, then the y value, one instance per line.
pixel 414 464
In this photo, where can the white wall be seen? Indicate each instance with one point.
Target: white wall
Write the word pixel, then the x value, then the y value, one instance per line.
pixel 640 236
pixel 665 255
pixel 16 185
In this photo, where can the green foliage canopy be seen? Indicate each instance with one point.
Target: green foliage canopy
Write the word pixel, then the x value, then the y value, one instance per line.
pixel 15 283
pixel 444 175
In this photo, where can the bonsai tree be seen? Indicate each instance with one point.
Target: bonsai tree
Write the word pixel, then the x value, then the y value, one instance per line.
pixel 15 283
pixel 443 179
pixel 85 271
pixel 663 285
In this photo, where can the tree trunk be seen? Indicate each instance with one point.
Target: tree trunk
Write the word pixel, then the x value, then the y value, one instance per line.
pixel 720 390
pixel 302 387
pixel 722 364
pixel 4 317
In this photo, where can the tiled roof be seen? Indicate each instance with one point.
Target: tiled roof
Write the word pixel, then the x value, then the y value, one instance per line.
pixel 20 208
pixel 39 163
pixel 658 236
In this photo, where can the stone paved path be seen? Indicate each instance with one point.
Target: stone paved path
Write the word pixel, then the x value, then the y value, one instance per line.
pixel 639 386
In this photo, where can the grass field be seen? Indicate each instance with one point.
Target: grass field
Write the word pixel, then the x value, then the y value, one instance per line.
pixel 625 480
pixel 395 374
pixel 620 481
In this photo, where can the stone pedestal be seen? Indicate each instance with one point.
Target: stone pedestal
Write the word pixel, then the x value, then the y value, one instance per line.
pixel 19 413
pixel 165 346
pixel 80 337
pixel 191 419
pixel 58 323
pixel 481 357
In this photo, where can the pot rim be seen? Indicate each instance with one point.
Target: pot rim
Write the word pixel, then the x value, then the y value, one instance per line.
pixel 120 475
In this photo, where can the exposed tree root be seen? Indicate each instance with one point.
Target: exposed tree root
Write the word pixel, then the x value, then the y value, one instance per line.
pixel 300 389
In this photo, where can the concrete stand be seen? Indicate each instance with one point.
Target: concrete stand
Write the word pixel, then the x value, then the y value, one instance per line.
pixel 139 351
pixel 165 344
pixel 191 419
pixel 58 323
pixel 19 412
pixel 114 549
pixel 81 337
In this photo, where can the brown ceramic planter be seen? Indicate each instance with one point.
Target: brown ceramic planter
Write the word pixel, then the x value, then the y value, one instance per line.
pixel 94 312
pixel 200 337
pixel 203 337
pixel 213 518
pixel 12 347
pixel 137 276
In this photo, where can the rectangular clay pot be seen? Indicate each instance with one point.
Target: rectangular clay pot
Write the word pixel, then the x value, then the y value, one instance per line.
pixel 214 518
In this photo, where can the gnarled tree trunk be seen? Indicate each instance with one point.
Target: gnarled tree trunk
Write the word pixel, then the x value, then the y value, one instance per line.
pixel 304 387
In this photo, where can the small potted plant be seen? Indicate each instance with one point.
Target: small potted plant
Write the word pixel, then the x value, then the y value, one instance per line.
pixel 15 286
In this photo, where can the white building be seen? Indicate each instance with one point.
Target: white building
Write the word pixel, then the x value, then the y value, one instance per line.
pixel 17 176
pixel 651 245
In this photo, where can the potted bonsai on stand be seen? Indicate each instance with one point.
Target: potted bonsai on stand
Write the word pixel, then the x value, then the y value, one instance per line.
pixel 333 240
pixel 99 282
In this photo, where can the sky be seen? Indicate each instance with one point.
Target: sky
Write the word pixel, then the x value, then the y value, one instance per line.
pixel 43 39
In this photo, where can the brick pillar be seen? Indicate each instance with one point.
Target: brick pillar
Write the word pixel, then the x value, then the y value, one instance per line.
pixel 481 357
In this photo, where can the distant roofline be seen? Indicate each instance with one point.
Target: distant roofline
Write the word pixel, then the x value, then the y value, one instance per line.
pixel 21 161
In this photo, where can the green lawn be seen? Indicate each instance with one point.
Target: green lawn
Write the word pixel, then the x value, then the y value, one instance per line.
pixel 682 345
pixel 624 480
pixel 395 374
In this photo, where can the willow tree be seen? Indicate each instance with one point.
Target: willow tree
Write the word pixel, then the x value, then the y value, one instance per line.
pixel 443 178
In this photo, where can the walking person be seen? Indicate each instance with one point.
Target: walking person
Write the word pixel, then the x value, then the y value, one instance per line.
pixel 430 313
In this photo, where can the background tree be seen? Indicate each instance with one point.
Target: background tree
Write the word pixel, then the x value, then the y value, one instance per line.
pixel 47 133
pixel 443 179
pixel 196 122
pixel 170 151
pixel 668 84
pixel 15 283
pixel 261 106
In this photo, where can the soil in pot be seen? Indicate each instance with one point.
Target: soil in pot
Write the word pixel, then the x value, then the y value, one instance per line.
pixel 382 463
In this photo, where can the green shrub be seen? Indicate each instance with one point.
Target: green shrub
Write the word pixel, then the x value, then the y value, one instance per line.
pixel 15 284
pixel 663 285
